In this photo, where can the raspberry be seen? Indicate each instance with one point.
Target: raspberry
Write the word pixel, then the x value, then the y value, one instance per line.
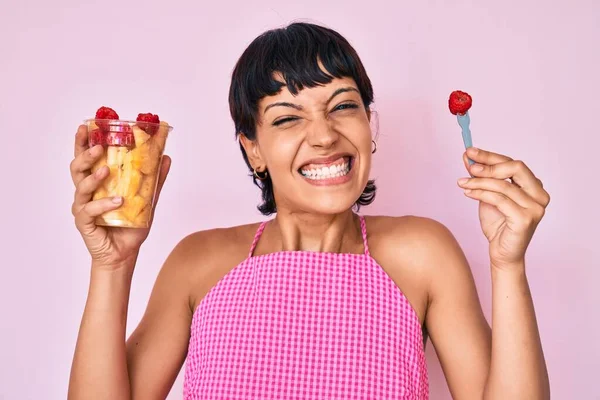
pixel 148 122
pixel 459 102
pixel 97 137
pixel 105 113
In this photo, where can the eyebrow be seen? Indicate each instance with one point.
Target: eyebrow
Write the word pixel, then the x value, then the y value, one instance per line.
pixel 342 90
pixel 300 108
pixel 283 104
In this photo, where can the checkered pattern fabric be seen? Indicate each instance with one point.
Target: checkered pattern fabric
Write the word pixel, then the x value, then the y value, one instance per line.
pixel 306 325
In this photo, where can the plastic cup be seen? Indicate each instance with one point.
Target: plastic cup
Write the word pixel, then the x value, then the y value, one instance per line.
pixel 133 152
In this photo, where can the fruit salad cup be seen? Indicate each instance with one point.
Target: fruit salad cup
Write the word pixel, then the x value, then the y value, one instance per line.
pixel 133 153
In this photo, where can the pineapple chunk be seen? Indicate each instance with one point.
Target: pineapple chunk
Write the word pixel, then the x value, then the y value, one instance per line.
pixel 144 217
pixel 100 193
pixel 129 182
pixel 121 153
pixel 111 155
pixel 111 182
pixel 146 158
pixel 140 136
pixel 92 126
pixel 132 207
pixel 147 187
pixel 160 138
pixel 112 216
pixel 140 156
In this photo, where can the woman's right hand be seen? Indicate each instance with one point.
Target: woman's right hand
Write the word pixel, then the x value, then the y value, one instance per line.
pixel 110 247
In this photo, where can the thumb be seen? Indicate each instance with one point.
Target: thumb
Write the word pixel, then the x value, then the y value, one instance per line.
pixel 466 162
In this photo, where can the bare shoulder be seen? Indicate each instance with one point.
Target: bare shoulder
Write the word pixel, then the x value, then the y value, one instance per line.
pixel 414 251
pixel 202 258
pixel 422 239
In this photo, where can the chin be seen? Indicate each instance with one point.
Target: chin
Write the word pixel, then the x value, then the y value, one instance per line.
pixel 329 204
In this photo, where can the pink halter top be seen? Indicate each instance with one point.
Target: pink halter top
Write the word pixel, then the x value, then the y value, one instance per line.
pixel 306 325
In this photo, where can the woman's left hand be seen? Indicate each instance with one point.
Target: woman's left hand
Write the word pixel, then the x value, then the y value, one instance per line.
pixel 512 202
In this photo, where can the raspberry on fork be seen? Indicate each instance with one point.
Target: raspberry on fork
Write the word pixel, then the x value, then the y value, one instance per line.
pixel 459 102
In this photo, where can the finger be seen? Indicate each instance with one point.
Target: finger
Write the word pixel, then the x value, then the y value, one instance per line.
pixel 485 157
pixel 87 186
pixel 500 186
pixel 506 206
pixel 518 173
pixel 466 162
pixel 165 167
pixel 83 163
pixel 81 140
pixel 85 219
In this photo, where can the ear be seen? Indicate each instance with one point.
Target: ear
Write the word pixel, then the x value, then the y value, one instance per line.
pixel 253 152
pixel 373 122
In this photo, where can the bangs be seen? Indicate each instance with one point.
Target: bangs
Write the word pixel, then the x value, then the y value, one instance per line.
pixel 304 56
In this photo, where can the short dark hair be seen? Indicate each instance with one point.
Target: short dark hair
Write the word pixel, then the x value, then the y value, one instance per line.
pixel 294 52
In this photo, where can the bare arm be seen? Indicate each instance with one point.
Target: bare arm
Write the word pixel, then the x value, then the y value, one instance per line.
pixel 518 369
pixel 99 369
pixel 455 322
pixel 504 364
pixel 105 366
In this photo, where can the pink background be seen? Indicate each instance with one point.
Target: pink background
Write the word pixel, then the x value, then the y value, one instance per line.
pixel 531 66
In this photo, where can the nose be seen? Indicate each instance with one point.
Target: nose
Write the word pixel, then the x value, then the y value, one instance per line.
pixel 322 134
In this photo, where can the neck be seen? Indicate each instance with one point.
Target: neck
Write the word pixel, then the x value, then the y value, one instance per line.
pixel 311 232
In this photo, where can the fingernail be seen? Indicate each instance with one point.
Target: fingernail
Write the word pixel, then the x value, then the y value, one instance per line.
pixel 467 191
pixel 117 200
pixel 473 150
pixel 462 181
pixel 100 171
pixel 476 167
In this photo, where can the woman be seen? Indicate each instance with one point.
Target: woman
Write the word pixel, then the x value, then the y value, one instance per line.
pixel 318 302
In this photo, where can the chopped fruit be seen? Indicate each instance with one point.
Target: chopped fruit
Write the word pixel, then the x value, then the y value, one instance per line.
pixel 105 113
pixel 140 136
pixel 100 193
pixel 148 122
pixel 129 183
pixel 92 126
pixel 115 155
pixel 121 154
pixel 147 187
pixel 111 217
pixel 144 218
pixel 146 157
pixel 459 102
pixel 97 137
pixel 112 181
pixel 132 158
pixel 132 206
pixel 133 153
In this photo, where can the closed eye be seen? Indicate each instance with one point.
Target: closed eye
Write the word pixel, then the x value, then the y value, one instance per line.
pixel 284 120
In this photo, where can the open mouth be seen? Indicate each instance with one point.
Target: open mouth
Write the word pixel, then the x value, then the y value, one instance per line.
pixel 334 169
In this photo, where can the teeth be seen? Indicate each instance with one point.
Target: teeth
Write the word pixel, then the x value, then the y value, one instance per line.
pixel 333 171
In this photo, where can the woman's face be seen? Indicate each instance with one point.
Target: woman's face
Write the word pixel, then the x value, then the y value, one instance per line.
pixel 316 147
